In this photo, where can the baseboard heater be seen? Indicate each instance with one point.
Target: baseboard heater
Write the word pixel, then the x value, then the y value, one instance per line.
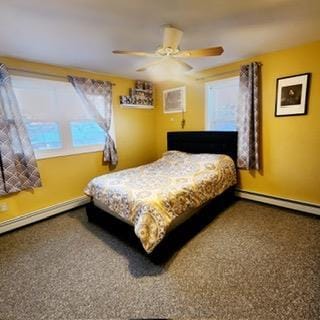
pixel 80 201
pixel 280 202
pixel 41 214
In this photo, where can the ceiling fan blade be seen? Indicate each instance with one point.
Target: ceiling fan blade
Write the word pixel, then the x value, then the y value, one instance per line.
pixel 145 67
pixel 136 53
pixel 207 52
pixel 184 65
pixel 171 37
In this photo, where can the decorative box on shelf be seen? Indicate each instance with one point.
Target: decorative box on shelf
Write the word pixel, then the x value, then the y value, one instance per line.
pixel 140 97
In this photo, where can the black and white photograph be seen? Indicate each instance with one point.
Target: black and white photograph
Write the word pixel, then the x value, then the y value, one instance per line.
pixel 292 95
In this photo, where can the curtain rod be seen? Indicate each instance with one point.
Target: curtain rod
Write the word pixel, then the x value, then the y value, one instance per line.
pixel 222 73
pixel 217 74
pixel 42 74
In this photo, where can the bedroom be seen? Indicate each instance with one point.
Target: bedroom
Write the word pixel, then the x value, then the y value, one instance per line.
pixel 256 257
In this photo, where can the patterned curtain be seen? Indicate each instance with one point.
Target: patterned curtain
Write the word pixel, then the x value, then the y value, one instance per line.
pixel 248 116
pixel 18 165
pixel 88 90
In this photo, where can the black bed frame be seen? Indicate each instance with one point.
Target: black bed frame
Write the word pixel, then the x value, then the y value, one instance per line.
pixel 193 142
pixel 219 142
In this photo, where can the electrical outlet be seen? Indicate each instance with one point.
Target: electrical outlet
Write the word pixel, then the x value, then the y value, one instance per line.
pixel 3 207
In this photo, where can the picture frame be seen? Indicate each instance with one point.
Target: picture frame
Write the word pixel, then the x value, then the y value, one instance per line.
pixel 292 95
pixel 174 100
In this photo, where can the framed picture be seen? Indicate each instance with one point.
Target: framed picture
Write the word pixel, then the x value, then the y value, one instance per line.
pixel 174 100
pixel 292 95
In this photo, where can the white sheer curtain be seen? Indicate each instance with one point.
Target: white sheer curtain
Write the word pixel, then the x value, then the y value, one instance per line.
pixel 89 90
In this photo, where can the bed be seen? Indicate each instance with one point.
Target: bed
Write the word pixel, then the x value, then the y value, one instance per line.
pixel 157 197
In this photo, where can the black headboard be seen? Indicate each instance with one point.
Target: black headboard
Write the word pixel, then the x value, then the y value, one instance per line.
pixel 219 142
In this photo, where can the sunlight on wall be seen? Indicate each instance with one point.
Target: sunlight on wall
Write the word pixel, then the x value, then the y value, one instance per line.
pixel 290 145
pixel 64 178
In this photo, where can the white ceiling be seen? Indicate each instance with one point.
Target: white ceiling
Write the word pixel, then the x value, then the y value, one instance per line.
pixel 82 33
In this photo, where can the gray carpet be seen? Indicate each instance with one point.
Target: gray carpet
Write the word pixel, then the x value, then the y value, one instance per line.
pixel 251 262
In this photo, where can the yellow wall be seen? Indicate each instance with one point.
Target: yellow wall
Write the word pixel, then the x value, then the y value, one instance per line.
pixel 64 178
pixel 290 145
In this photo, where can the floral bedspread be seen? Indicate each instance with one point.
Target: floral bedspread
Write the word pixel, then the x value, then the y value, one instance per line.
pixel 153 195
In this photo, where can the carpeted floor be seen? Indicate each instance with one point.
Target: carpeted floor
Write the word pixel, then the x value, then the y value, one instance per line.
pixel 251 261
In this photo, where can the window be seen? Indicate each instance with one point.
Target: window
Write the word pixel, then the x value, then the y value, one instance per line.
pixel 56 119
pixel 222 102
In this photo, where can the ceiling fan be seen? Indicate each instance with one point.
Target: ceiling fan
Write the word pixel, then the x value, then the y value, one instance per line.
pixel 170 50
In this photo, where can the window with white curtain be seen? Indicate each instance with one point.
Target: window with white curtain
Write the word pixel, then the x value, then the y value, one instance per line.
pixel 56 118
pixel 221 104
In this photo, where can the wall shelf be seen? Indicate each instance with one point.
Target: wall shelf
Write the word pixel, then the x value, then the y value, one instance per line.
pixel 136 106
pixel 143 90
pixel 140 97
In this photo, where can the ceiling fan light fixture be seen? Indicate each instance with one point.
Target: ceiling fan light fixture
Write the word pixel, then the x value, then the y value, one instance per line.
pixel 168 51
pixel 166 68
pixel 171 49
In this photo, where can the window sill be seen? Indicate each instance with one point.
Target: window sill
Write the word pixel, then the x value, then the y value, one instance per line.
pixel 55 154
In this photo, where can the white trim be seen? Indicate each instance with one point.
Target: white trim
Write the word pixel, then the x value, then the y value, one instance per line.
pixel 47 154
pixel 64 125
pixel 206 101
pixel 41 214
pixel 281 202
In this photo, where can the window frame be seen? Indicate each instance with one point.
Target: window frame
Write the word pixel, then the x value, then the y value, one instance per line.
pixel 208 85
pixel 66 138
